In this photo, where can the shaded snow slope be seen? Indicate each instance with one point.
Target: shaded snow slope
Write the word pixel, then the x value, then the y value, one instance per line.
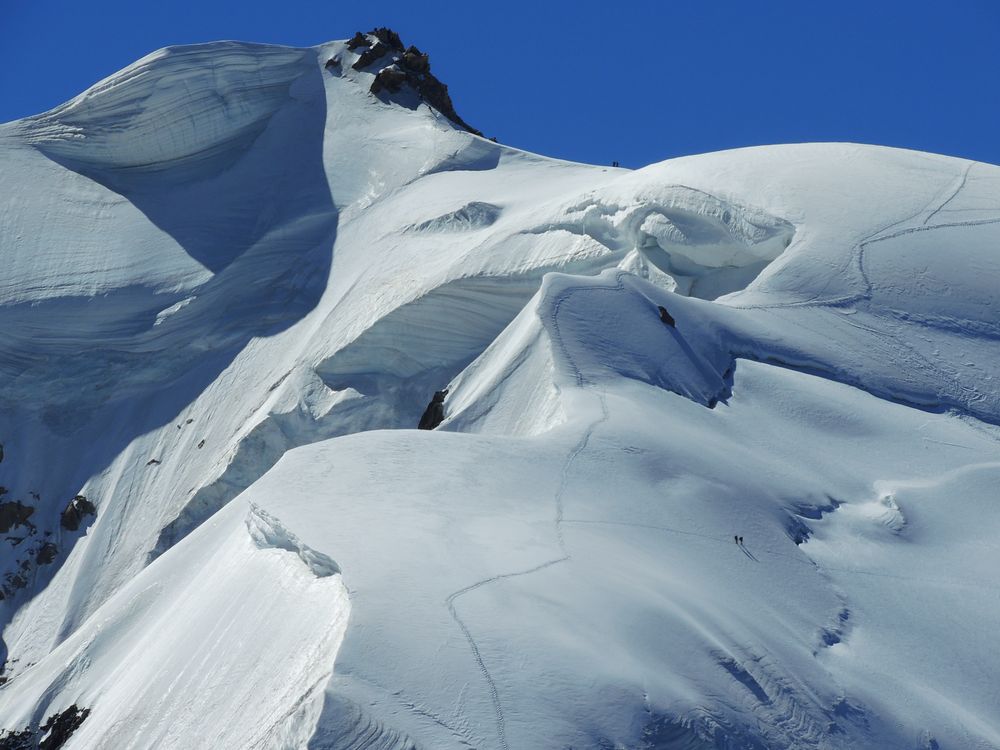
pixel 148 656
pixel 224 261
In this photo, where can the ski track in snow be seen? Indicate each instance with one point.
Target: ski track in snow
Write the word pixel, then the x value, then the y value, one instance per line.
pixel 954 193
pixel 491 683
pixel 578 449
pixel 582 381
pixel 858 252
pixel 882 234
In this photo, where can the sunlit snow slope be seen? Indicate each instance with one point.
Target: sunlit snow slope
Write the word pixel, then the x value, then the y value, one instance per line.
pixel 233 278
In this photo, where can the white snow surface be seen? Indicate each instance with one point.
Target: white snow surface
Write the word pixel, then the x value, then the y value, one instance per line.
pixel 232 280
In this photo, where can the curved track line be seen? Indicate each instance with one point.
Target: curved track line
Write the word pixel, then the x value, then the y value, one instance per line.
pixel 450 601
pixel 954 193
pixel 858 259
pixel 577 449
pixel 582 381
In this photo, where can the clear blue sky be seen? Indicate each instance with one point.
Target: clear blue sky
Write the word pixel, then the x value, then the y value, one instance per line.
pixel 594 81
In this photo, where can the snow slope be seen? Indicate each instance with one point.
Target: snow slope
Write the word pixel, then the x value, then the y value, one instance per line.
pixel 233 280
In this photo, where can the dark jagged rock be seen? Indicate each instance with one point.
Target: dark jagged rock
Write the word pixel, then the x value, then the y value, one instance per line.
pixel 374 53
pixel 408 66
pixel 153 462
pixel 40 553
pixel 77 509
pixel 13 515
pixel 383 36
pixel 415 60
pixel 436 94
pixel 434 413
pixel 389 79
pixel 388 36
pixel 23 740
pixel 51 735
pixel 46 553
pixel 60 727
pixel 333 64
pixel 358 40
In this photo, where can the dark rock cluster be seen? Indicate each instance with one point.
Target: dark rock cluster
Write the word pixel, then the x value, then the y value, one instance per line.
pixel 14 514
pixel 33 548
pixel 16 525
pixel 401 67
pixel 46 553
pixel 51 735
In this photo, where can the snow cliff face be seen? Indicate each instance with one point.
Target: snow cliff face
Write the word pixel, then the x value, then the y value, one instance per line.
pixel 233 279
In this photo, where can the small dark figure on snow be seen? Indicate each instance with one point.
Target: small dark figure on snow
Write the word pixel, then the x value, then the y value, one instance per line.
pixel 741 541
pixel 434 413
pixel 736 539
pixel 666 317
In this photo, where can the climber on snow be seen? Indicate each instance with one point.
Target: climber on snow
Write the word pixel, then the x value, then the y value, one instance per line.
pixel 434 413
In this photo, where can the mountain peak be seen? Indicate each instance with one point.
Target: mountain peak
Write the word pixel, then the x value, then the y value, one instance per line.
pixel 401 72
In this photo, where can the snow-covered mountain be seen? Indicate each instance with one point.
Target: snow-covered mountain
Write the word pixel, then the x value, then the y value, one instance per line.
pixel 234 277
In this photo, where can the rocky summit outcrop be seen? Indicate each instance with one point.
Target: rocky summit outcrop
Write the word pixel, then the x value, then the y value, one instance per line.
pixel 401 67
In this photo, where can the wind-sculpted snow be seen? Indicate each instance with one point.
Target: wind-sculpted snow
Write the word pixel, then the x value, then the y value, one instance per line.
pixel 305 412
pixel 709 246
pixel 178 106
pixel 470 216
pixel 233 278
pixel 256 260
pixel 267 532
pixel 443 330
pixel 130 287
pixel 645 512
pixel 145 663
pixel 603 338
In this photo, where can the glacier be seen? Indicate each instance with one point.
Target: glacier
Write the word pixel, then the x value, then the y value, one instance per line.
pixel 233 278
